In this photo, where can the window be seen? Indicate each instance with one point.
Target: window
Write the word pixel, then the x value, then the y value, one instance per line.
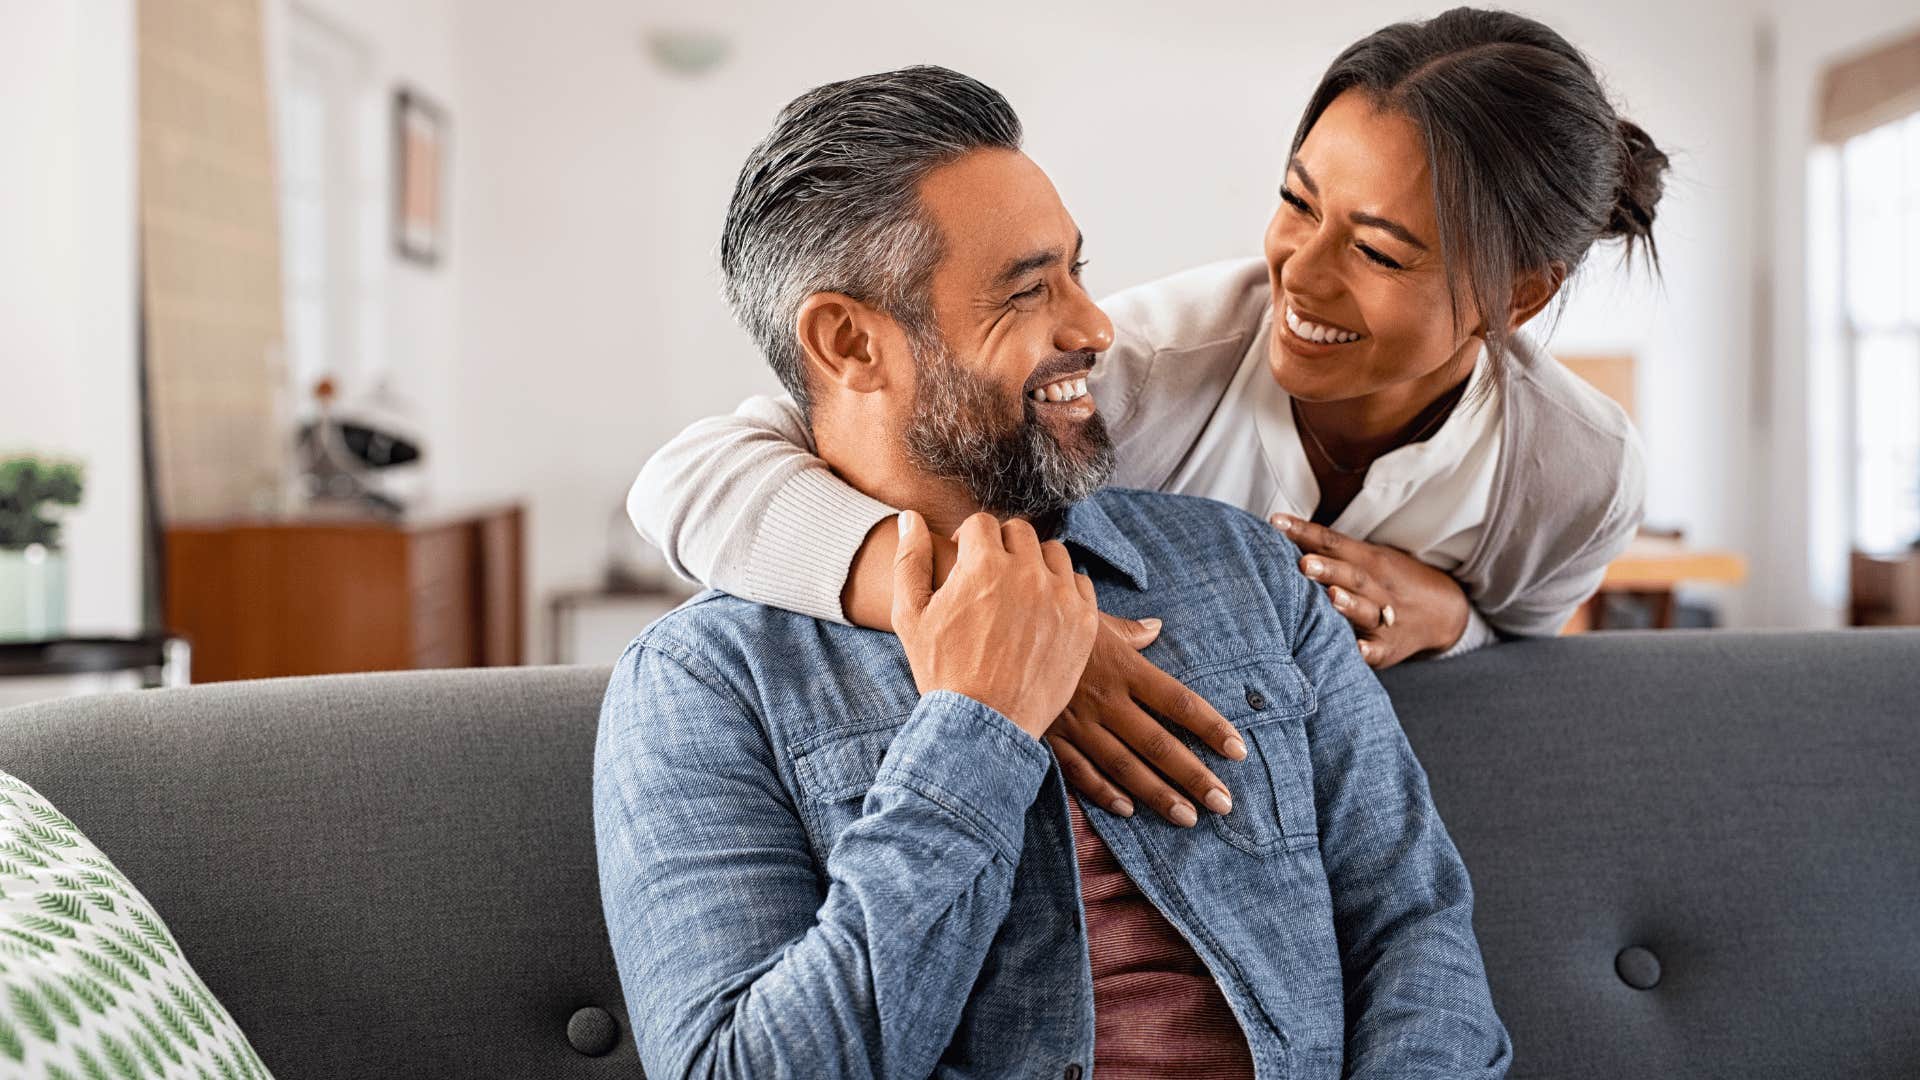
pixel 1876 179
pixel 329 271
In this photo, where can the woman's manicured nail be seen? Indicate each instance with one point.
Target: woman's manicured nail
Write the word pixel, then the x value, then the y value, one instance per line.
pixel 1151 624
pixel 1219 801
pixel 1184 816
pixel 1312 567
pixel 1283 521
pixel 1366 650
pixel 1123 807
pixel 904 521
pixel 1340 597
pixel 1236 749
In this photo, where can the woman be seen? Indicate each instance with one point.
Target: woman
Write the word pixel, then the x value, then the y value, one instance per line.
pixel 1365 385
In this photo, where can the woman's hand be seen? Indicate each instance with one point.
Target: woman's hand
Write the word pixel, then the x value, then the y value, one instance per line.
pixel 1398 605
pixel 1109 745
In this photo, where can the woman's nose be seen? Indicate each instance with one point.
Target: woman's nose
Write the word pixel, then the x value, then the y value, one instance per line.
pixel 1309 270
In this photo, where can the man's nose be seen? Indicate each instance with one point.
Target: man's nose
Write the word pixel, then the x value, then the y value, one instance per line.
pixel 1083 326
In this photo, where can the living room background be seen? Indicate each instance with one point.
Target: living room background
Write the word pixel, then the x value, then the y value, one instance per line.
pixel 575 321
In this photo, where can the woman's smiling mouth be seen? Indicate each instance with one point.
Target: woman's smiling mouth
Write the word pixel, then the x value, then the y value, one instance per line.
pixel 1319 333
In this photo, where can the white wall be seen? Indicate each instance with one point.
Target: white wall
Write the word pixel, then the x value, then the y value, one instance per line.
pixel 591 187
pixel 67 304
pixel 1805 564
pixel 414 337
pixel 576 323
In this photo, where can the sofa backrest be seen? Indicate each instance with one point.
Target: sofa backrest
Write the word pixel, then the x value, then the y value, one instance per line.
pixel 378 875
pixel 1694 854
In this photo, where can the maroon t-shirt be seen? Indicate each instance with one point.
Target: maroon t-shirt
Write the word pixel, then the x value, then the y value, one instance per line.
pixel 1157 1010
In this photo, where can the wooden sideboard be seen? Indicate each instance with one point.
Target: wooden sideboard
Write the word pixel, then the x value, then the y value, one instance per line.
pixel 318 596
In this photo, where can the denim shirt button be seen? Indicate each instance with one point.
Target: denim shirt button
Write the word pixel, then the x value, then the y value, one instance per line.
pixel 1073 1071
pixel 1256 699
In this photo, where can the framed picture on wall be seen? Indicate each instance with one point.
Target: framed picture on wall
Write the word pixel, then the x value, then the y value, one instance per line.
pixel 419 177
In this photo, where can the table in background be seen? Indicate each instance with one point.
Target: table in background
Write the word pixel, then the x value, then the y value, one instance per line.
pixel 65 667
pixel 593 626
pixel 1650 569
pixel 320 595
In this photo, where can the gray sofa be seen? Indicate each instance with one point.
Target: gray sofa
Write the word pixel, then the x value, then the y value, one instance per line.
pixel 1696 855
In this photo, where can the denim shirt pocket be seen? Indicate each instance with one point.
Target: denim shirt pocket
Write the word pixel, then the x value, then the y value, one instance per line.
pixel 1268 699
pixel 835 768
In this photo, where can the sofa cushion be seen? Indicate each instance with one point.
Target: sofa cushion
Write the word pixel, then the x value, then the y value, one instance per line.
pixel 91 981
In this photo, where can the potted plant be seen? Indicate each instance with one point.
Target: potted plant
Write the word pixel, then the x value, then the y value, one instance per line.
pixel 33 570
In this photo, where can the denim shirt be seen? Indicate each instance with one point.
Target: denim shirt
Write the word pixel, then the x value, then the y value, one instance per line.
pixel 811 870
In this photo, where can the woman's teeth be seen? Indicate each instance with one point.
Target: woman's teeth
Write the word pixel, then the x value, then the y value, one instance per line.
pixel 1325 335
pixel 1064 390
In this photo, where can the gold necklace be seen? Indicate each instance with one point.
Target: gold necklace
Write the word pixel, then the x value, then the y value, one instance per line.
pixel 1301 419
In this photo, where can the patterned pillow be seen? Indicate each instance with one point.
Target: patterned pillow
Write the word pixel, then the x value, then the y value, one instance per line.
pixel 92 986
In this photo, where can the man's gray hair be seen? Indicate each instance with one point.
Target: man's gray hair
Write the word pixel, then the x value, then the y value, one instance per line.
pixel 829 202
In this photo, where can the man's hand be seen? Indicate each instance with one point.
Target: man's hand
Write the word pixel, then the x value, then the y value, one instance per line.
pixel 1012 626
pixel 1109 739
pixel 1398 605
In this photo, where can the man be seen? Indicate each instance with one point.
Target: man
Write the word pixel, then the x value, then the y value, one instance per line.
pixel 826 851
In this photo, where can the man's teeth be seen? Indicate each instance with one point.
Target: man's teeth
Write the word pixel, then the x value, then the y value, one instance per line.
pixel 1316 332
pixel 1064 390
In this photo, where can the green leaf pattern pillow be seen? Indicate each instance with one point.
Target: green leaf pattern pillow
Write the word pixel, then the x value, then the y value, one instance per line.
pixel 92 986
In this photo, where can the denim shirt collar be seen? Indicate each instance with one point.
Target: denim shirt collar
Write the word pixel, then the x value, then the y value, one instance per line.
pixel 1087 528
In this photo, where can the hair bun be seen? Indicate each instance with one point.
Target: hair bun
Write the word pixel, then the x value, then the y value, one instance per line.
pixel 1643 178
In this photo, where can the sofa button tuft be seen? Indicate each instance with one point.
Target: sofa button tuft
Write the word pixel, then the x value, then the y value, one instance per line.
pixel 1637 967
pixel 592 1031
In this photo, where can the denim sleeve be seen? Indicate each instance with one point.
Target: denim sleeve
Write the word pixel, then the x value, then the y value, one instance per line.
pixel 739 955
pixel 1416 988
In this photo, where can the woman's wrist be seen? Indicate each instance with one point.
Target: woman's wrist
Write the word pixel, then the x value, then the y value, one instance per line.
pixel 867 597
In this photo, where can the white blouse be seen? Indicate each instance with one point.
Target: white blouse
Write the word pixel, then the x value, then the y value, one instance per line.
pixel 1429 499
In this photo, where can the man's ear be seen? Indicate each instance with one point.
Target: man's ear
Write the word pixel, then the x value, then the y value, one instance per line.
pixel 1533 291
pixel 844 341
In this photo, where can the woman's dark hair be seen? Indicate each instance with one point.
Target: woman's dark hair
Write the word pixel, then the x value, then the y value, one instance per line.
pixel 1531 165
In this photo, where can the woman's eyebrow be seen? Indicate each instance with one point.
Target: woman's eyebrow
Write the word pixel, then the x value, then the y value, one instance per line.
pixel 1306 180
pixel 1387 225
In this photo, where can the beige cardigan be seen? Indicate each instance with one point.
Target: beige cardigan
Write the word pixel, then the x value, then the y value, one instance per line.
pixel 740 503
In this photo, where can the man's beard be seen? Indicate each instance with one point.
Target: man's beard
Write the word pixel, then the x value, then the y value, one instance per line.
pixel 959 431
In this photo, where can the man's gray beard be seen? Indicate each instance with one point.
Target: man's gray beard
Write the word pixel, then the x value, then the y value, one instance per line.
pixel 957 431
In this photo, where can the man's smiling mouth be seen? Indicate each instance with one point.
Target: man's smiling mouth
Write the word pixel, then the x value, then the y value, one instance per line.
pixel 1069 388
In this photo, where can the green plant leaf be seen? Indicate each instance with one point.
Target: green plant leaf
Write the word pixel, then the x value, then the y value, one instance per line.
pixel 40 924
pixel 148 1052
pixel 159 1036
pixel 191 1008
pixel 34 940
pixel 63 905
pixel 32 1014
pixel 51 817
pixel 177 1024
pixel 103 968
pixel 25 854
pixel 10 1043
pixel 89 1064
pixel 125 957
pixel 151 927
pixel 60 1001
pixel 139 944
pixel 119 1056
pixel 88 989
